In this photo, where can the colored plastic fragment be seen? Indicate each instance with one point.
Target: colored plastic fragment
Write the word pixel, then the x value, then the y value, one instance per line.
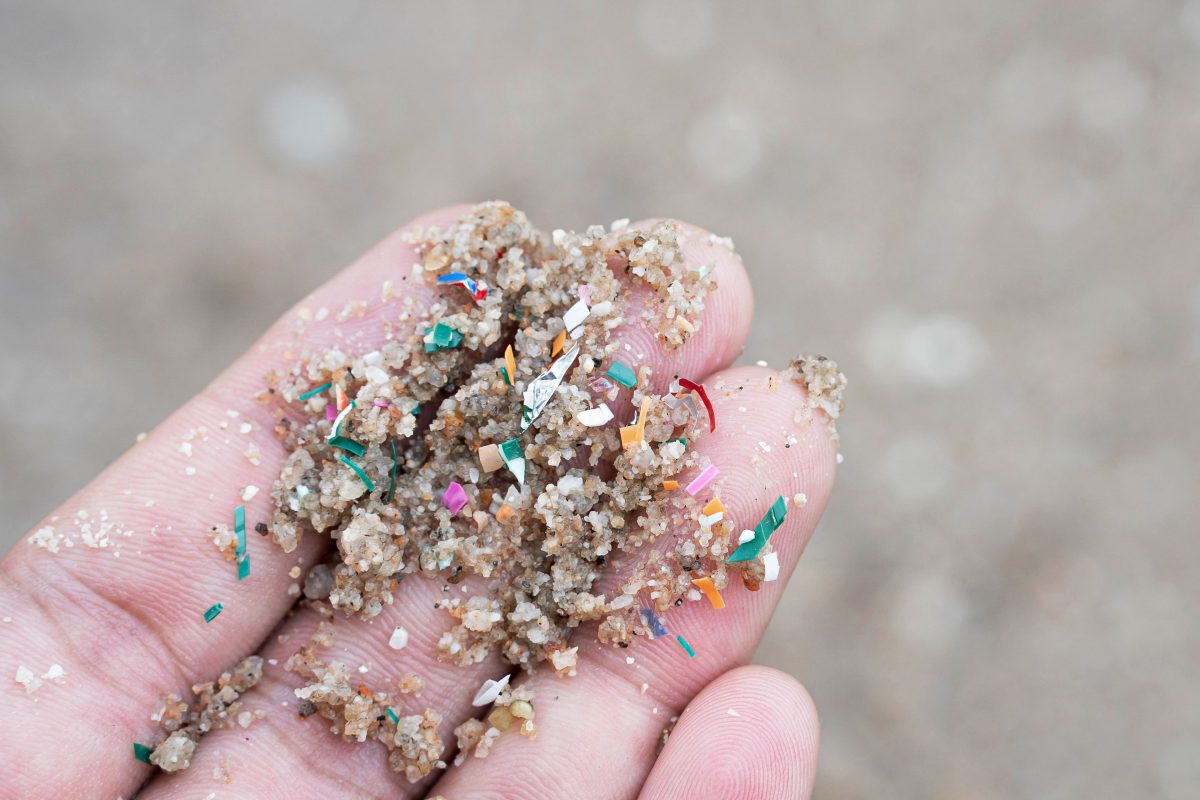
pixel 455 497
pixel 477 290
pixel 687 648
pixel 747 551
pixel 392 716
pixel 632 434
pixel 359 470
pixel 557 346
pixel 314 392
pixel 714 506
pixel 239 528
pixel 509 371
pixel 395 467
pixel 706 585
pixel 703 479
pixel 441 337
pixel 349 445
pixel 339 419
pixel 490 458
pixel 651 621
pixel 542 388
pixel 670 485
pixel 698 388
pixel 514 458
pixel 622 375
pixel 213 611
pixel 141 752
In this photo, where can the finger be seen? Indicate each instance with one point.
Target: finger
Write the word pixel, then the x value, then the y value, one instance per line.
pixel 285 744
pixel 119 605
pixel 751 734
pixel 617 705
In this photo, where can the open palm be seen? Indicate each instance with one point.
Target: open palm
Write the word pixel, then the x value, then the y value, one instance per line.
pixel 121 613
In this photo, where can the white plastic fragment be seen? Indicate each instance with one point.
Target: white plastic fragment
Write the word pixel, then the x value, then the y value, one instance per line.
pixel 595 417
pixel 490 690
pixel 575 315
pixel 711 519
pixel 770 567
pixel 26 677
pixel 399 638
pixel 745 536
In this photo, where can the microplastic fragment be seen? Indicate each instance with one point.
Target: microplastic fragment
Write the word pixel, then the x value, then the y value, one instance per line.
pixel 575 315
pixel 314 392
pixel 687 648
pixel 349 445
pixel 651 621
pixel 622 375
pixel 337 421
pixel 670 485
pixel 490 690
pixel 770 567
pixel 455 497
pixel 632 434
pixel 514 458
pixel 340 397
pixel 706 585
pixel 541 389
pixel 698 388
pixel 399 638
pixel 213 611
pixel 703 479
pixel 441 337
pixel 477 290
pixel 243 557
pixel 362 475
pixel 714 506
pixel 558 343
pixel 392 716
pixel 747 551
pixel 490 458
pixel 595 417
pixel 510 366
pixel 380 403
pixel 141 752
pixel 395 466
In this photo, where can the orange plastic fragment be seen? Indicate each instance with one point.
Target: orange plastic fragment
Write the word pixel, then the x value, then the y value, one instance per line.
pixel 559 341
pixel 715 506
pixel 342 400
pixel 364 691
pixel 510 363
pixel 669 485
pixel 505 513
pixel 632 434
pixel 705 585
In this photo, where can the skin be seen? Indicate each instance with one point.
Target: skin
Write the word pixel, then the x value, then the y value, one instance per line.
pixel 128 629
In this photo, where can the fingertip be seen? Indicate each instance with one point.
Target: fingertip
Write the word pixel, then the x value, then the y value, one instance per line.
pixel 751 733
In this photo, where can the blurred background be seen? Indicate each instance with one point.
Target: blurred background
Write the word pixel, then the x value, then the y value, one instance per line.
pixel 985 211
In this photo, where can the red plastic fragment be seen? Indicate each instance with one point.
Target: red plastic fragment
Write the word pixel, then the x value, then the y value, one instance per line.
pixel 698 388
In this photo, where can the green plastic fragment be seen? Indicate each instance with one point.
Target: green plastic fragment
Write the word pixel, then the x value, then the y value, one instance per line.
pixel 315 391
pixel 359 470
pixel 349 445
pixel 392 715
pixel 213 611
pixel 395 466
pixel 514 458
pixel 141 752
pixel 441 337
pixel 243 557
pixel 687 648
pixel 416 412
pixel 622 375
pixel 504 374
pixel 679 439
pixel 771 521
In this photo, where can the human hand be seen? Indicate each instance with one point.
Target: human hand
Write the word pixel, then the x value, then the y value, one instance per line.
pixel 123 620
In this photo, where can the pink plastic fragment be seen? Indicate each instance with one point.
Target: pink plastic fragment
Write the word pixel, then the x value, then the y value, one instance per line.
pixel 330 412
pixel 380 403
pixel 703 479
pixel 455 497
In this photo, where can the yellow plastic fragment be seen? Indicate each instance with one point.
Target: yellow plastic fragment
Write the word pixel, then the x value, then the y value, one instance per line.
pixel 505 513
pixel 559 341
pixel 705 585
pixel 510 363
pixel 632 434
pixel 715 506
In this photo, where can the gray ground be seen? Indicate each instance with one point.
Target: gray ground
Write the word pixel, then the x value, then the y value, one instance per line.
pixel 986 211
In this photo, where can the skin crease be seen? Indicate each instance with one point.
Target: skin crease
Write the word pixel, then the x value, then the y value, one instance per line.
pixel 127 629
